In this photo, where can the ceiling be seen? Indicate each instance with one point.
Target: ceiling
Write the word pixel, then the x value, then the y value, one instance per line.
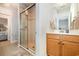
pixel 9 5
pixel 24 5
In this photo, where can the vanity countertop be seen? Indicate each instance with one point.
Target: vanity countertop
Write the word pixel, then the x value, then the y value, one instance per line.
pixel 63 33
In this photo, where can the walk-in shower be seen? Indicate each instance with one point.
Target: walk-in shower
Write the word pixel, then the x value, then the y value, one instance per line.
pixel 27 28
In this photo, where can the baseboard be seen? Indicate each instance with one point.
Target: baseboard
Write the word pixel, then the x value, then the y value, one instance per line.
pixel 13 41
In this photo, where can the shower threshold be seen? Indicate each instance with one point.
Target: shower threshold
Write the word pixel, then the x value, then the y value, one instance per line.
pixel 28 50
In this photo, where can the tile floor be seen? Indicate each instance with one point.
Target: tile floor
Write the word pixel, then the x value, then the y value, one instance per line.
pixel 11 49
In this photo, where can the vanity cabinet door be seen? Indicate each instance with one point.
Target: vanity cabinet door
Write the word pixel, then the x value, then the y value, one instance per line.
pixel 53 47
pixel 70 49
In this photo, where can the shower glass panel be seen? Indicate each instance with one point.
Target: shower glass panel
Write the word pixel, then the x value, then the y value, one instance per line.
pixel 23 36
pixel 28 29
pixel 31 28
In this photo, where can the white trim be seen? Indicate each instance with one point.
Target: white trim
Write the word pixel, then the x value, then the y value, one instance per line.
pixel 18 25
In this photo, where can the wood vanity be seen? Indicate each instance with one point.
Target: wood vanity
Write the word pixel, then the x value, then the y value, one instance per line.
pixel 62 44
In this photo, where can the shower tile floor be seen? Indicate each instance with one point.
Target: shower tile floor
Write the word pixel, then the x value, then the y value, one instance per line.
pixel 12 49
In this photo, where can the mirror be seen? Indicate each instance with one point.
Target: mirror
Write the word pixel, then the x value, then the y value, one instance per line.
pixel 63 18
pixel 74 23
pixel 63 25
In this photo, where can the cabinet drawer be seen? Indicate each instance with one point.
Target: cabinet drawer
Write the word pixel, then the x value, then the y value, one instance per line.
pixel 73 38
pixel 53 36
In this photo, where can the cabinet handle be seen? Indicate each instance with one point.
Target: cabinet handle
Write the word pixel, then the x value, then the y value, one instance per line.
pixel 62 43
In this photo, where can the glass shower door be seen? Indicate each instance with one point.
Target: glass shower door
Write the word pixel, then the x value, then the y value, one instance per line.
pixel 23 37
pixel 31 28
pixel 28 29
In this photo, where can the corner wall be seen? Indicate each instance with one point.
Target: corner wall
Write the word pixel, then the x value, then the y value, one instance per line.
pixel 44 15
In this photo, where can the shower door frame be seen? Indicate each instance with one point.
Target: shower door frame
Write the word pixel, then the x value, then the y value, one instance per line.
pixel 30 51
